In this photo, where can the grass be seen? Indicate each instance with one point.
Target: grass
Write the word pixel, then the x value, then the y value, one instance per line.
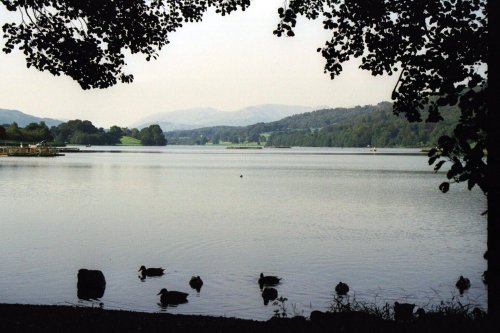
pixel 451 308
pixel 343 304
pixel 129 141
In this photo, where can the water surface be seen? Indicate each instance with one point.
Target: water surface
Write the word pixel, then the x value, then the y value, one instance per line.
pixel 314 216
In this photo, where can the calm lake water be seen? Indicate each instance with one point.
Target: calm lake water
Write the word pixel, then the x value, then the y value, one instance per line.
pixel 313 216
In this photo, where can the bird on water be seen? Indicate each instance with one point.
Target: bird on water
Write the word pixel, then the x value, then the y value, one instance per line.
pixel 151 271
pixel 268 280
pixel 196 283
pixel 342 288
pixel 172 297
pixel 462 284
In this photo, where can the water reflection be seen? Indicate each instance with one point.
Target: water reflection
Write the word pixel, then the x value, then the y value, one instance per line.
pixel 269 294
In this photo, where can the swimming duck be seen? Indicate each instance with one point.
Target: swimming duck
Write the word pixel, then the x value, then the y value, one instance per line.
pixel 462 284
pixel 151 271
pixel 269 294
pixel 268 280
pixel 172 297
pixel 196 283
pixel 342 288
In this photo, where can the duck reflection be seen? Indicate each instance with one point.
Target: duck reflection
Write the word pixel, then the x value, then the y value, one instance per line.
pixel 269 294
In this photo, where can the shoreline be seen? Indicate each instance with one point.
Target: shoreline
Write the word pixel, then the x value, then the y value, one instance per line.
pixel 61 318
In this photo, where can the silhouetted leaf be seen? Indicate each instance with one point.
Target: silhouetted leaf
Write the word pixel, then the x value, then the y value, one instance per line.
pixel 439 165
pixel 444 187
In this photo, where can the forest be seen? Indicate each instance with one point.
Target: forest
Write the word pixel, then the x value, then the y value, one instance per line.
pixel 360 126
pixel 79 132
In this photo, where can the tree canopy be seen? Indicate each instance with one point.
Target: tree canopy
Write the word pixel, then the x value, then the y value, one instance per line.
pixel 88 39
pixel 439 49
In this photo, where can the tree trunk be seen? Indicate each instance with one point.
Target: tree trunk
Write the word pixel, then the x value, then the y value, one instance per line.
pixel 493 145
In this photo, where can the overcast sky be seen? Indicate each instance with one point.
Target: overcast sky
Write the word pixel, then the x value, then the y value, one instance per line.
pixel 226 63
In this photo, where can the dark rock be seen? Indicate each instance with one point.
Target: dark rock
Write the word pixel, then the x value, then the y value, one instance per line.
pixel 91 284
pixel 403 311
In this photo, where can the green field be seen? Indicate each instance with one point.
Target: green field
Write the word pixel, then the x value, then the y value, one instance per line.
pixel 129 141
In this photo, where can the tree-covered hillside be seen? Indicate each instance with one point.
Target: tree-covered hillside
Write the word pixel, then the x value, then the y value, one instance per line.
pixel 80 132
pixel 341 127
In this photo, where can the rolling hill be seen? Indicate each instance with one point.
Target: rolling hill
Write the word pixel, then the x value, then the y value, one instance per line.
pixel 23 119
pixel 340 127
pixel 206 117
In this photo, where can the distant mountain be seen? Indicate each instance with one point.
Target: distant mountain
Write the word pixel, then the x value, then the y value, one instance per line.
pixel 205 117
pixel 23 119
pixel 340 127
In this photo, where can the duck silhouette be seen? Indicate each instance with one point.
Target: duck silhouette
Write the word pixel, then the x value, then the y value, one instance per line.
pixel 342 288
pixel 268 280
pixel 172 297
pixel 148 272
pixel 196 283
pixel 462 284
pixel 269 294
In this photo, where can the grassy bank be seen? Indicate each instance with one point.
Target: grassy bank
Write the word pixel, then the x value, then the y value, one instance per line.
pixel 129 141
pixel 49 318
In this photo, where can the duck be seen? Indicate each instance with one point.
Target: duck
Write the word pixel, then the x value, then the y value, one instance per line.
pixel 342 288
pixel 151 271
pixel 268 280
pixel 269 294
pixel 196 283
pixel 462 284
pixel 172 297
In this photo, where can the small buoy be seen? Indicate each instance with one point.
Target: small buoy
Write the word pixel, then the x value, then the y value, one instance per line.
pixel 241 176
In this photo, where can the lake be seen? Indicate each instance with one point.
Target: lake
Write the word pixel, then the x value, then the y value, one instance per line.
pixel 313 216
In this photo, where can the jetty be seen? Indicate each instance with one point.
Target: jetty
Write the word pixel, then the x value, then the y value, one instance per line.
pixel 244 147
pixel 30 151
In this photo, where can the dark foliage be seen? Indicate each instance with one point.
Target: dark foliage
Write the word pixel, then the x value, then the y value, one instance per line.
pixel 438 48
pixel 82 132
pixel 3 133
pixel 88 39
pixel 32 133
pixel 152 136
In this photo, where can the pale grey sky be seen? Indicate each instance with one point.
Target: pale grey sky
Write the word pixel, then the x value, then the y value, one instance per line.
pixel 223 62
